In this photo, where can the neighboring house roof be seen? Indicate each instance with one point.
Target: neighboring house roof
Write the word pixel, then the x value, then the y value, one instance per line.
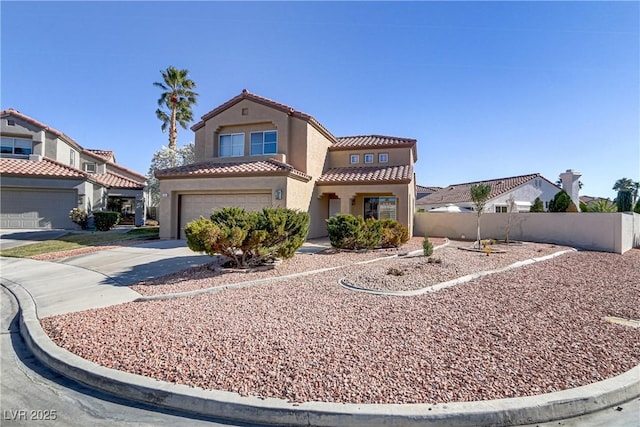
pixel 367 175
pixel 107 155
pixel 113 180
pixel 45 168
pixel 460 193
pixel 39 124
pixel 426 189
pixel 589 199
pixel 374 141
pixel 242 168
pixel 264 101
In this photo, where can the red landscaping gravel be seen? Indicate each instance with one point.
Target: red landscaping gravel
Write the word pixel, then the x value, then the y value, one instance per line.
pixel 211 275
pixel 528 331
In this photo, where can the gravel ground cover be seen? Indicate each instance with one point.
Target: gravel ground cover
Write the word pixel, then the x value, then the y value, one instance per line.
pixel 416 273
pixel 211 275
pixel 528 331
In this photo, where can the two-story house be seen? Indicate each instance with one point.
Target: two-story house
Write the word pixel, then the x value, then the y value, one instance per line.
pixel 45 174
pixel 253 152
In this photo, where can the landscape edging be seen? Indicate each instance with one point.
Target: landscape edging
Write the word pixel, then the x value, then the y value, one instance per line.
pixel 228 405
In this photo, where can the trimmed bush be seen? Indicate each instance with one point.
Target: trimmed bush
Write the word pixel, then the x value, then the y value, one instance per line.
pixel 624 201
pixel 106 220
pixel 80 217
pixel 637 208
pixel 249 238
pixel 394 234
pixel 347 231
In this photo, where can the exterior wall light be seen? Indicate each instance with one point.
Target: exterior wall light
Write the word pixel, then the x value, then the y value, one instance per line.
pixel 165 195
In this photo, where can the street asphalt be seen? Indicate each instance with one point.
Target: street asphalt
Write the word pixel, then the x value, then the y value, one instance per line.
pixel 100 279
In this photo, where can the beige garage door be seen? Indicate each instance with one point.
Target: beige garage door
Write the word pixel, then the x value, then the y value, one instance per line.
pixel 193 206
pixel 36 208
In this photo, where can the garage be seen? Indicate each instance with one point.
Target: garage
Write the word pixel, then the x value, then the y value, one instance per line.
pixel 36 208
pixel 193 206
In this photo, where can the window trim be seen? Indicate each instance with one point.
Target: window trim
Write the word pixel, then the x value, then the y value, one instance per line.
pixel 13 140
pixel 386 157
pixel 86 167
pixel 379 198
pixel 352 157
pixel 503 208
pixel 368 156
pixel 263 132
pixel 231 135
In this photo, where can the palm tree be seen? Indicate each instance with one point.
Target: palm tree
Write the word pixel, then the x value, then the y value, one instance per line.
pixel 178 97
pixel 601 205
pixel 626 185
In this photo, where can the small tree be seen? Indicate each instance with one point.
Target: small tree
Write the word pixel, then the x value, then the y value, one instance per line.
pixel 512 209
pixel 427 246
pixel 537 206
pixel 637 208
pixel 560 202
pixel 163 159
pixel 480 194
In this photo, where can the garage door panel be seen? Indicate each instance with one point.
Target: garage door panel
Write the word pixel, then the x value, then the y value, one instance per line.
pixel 36 208
pixel 193 206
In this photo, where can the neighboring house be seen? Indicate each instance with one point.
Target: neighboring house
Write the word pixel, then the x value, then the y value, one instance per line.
pixel 422 191
pixel 253 152
pixel 45 174
pixel 524 189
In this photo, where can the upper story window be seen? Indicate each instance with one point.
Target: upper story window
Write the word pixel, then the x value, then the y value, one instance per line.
pixel 16 146
pixel 354 159
pixel 383 158
pixel 90 167
pixel 72 158
pixel 368 158
pixel 232 145
pixel 264 143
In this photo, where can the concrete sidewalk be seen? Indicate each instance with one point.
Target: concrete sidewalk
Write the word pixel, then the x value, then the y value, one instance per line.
pixel 96 280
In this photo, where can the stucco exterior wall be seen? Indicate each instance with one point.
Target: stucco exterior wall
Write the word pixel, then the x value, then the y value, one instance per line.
pixel 397 156
pixel 608 232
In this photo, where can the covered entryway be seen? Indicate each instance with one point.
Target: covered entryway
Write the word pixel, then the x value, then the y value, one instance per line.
pixel 36 208
pixel 193 206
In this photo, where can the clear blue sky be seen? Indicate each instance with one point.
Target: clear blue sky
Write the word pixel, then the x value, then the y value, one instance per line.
pixel 488 89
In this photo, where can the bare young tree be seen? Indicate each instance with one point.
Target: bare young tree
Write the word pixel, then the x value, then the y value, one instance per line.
pixel 480 194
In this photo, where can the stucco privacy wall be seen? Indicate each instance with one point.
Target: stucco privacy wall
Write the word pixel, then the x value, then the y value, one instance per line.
pixel 607 232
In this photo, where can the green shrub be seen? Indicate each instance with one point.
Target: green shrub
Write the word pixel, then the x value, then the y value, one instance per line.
pixel 637 208
pixel 560 202
pixel 80 217
pixel 394 234
pixel 537 206
pixel 624 201
pixel 345 231
pixel 249 238
pixel 427 247
pixel 105 220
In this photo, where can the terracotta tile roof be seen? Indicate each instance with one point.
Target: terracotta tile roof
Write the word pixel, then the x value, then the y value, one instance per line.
pixel 113 180
pixel 459 193
pixel 107 155
pixel 426 189
pixel 374 141
pixel 45 168
pixel 264 101
pixel 39 124
pixel 240 168
pixel 366 175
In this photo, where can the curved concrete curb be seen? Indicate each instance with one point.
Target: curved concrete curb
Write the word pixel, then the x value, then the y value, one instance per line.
pixel 449 283
pixel 503 412
pixel 267 280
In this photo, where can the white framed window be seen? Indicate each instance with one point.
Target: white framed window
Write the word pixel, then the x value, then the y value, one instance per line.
pixel 354 159
pixel 383 158
pixel 501 209
pixel 90 167
pixel 368 158
pixel 232 145
pixel 380 207
pixel 264 143
pixel 72 158
pixel 16 146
